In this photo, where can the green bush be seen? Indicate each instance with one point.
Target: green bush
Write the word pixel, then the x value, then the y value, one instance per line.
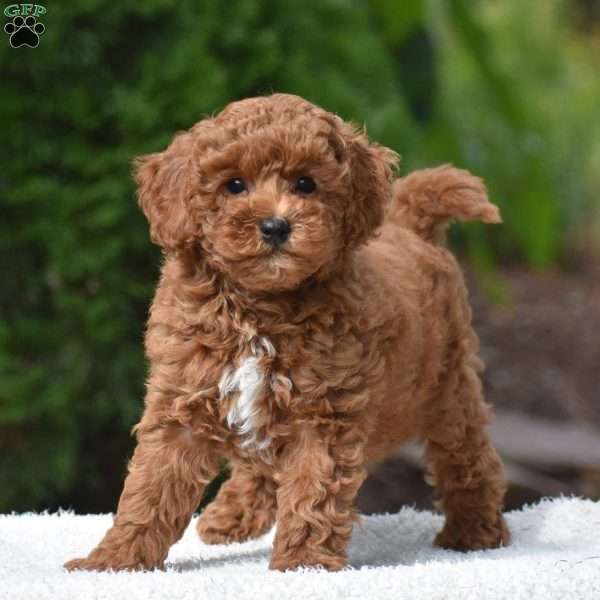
pixel 519 87
pixel 110 81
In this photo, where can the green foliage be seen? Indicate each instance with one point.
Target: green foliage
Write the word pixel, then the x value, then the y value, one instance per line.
pixel 515 96
pixel 112 80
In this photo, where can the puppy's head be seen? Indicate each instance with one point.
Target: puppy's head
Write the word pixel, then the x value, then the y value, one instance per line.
pixel 274 190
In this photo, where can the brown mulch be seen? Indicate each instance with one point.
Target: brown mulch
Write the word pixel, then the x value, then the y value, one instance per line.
pixel 541 345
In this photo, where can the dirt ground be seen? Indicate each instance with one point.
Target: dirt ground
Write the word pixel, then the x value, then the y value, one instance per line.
pixel 541 345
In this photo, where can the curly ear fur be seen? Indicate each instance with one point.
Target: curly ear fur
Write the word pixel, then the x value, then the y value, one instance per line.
pixel 372 168
pixel 164 190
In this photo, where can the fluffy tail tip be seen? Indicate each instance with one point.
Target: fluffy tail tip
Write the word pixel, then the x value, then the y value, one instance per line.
pixel 427 200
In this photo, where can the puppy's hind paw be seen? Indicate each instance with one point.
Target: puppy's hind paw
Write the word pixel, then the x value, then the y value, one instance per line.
pixel 473 536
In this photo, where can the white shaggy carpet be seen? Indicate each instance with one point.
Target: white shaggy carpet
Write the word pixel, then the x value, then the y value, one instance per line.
pixel 555 554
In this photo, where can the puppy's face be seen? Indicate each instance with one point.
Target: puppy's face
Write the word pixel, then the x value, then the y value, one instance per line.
pixel 274 190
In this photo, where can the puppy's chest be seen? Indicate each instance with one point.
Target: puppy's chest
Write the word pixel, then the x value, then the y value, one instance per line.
pixel 270 380
pixel 250 384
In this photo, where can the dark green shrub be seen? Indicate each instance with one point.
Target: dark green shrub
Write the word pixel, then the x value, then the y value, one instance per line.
pixel 109 81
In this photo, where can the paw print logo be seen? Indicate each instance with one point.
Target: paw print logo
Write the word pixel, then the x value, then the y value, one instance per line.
pixel 24 32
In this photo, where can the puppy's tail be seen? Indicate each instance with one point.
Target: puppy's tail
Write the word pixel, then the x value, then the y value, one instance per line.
pixel 427 200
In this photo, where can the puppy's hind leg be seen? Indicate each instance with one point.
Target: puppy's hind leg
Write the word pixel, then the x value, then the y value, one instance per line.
pixel 465 468
pixel 243 509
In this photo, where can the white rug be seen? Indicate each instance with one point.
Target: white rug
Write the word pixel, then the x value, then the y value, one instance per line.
pixel 555 554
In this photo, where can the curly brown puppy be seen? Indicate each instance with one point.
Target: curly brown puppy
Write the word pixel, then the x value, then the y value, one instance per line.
pixel 288 337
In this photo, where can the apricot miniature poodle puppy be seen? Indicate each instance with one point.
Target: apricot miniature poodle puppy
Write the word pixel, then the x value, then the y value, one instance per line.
pixel 308 320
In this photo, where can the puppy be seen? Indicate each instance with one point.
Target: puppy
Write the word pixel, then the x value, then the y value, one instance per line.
pixel 308 320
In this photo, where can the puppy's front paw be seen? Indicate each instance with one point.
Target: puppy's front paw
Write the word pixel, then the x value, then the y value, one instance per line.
pixel 473 536
pixel 306 558
pixel 85 564
pixel 101 561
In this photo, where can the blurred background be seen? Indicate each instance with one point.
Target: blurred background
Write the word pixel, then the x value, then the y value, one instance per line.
pixel 506 88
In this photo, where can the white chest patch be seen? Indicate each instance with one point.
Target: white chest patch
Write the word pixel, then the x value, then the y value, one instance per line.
pixel 248 382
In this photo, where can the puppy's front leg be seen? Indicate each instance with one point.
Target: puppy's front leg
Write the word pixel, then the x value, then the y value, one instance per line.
pixel 167 475
pixel 319 476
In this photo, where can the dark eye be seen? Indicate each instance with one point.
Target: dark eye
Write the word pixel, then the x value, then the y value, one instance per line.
pixel 236 186
pixel 305 185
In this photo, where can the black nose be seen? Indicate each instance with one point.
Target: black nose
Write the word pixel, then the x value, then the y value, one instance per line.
pixel 275 231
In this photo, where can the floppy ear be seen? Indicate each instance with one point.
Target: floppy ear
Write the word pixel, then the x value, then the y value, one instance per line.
pixel 164 192
pixel 371 170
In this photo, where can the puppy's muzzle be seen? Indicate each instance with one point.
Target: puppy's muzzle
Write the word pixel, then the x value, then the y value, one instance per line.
pixel 275 231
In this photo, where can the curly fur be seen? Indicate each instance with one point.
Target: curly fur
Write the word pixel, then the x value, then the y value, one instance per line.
pixel 302 364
